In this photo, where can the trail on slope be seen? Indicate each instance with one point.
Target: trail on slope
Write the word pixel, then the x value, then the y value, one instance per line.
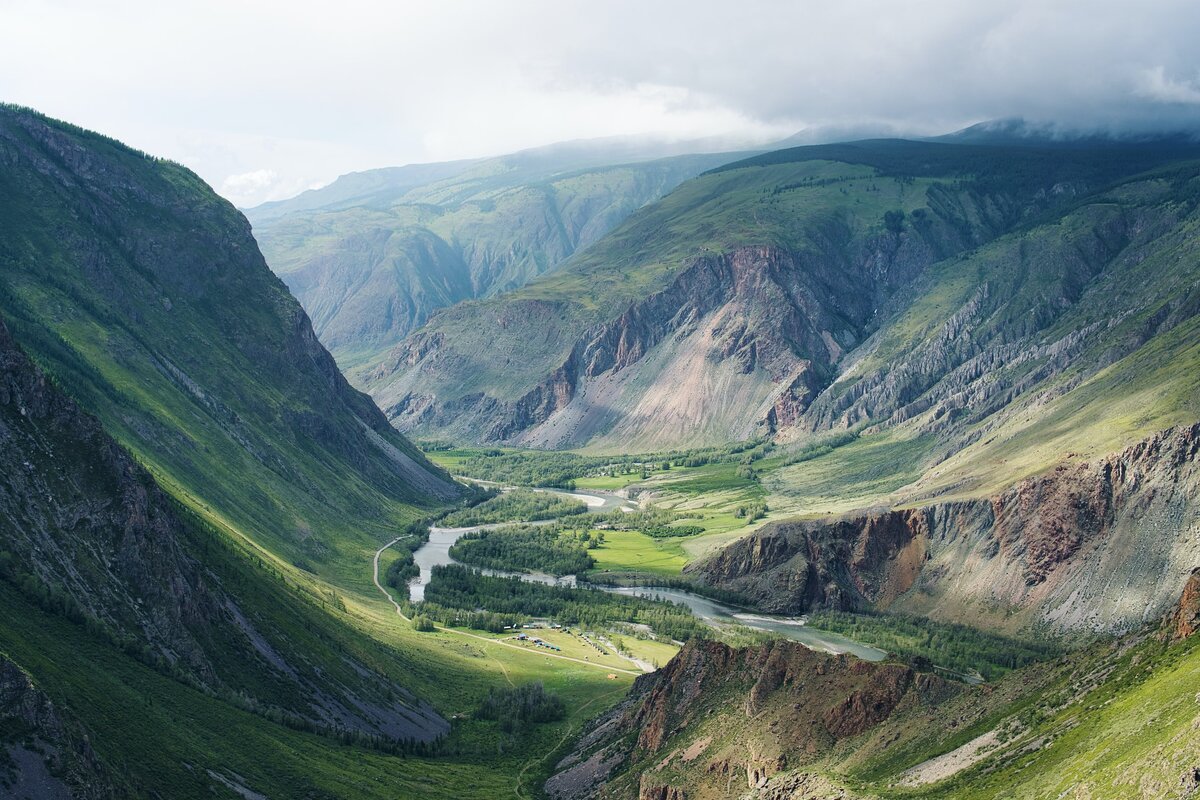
pixel 567 734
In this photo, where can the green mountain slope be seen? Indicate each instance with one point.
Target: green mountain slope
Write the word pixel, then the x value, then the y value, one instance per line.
pixel 144 296
pixel 374 254
pixel 749 300
pixel 88 535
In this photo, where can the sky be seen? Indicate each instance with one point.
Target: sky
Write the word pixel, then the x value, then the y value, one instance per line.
pixel 267 99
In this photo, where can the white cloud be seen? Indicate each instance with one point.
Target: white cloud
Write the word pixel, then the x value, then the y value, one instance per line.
pixel 1157 86
pixel 310 90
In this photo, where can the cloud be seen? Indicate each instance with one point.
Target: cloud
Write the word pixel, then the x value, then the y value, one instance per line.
pixel 310 90
pixel 1157 86
pixel 255 181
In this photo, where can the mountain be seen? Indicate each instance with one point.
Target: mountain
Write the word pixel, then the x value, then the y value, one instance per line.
pixel 144 296
pixel 190 489
pixel 872 285
pixel 374 254
pixel 778 721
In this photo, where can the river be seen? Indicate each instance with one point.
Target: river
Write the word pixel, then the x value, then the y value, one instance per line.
pixel 436 552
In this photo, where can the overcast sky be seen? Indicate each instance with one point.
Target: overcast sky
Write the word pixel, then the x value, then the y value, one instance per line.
pixel 265 99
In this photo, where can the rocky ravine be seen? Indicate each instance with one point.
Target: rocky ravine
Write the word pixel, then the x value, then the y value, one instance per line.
pixel 1103 545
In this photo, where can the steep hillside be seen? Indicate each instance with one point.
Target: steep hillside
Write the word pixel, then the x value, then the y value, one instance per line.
pixel 374 254
pixel 778 721
pixel 87 532
pixel 144 296
pixel 46 755
pixel 778 292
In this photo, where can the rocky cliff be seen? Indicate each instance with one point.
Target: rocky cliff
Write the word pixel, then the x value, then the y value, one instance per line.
pixel 791 567
pixel 1185 620
pixel 1096 545
pixel 48 755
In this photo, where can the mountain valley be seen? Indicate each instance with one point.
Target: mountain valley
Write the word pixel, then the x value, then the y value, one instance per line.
pixel 930 402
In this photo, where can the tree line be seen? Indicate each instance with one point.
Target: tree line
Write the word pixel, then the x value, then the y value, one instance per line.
pixel 543 548
pixel 454 587
pixel 524 505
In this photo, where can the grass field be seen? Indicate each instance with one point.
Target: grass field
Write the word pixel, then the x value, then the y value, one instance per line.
pixel 631 551
pixel 648 650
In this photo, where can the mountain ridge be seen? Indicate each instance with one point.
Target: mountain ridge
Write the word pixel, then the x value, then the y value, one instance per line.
pixel 143 294
pixel 434 383
pixel 370 268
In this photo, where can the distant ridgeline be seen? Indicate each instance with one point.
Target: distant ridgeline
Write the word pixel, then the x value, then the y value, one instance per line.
pixel 373 255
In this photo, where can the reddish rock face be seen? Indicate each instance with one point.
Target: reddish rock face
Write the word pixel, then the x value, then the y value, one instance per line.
pixel 870 705
pixel 799 703
pixel 1185 621
pixel 649 790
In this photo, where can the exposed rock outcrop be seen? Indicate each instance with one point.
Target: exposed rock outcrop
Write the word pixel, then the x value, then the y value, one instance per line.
pixel 1099 545
pixel 795 705
pixel 851 563
pixel 1184 621
pixel 48 754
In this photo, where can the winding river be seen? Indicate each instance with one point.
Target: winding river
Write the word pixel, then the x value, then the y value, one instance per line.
pixel 436 552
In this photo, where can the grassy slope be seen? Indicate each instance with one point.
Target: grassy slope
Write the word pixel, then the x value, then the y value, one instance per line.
pixel 1132 735
pixel 232 436
pixel 156 732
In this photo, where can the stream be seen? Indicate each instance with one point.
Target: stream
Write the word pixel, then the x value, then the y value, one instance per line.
pixel 436 552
